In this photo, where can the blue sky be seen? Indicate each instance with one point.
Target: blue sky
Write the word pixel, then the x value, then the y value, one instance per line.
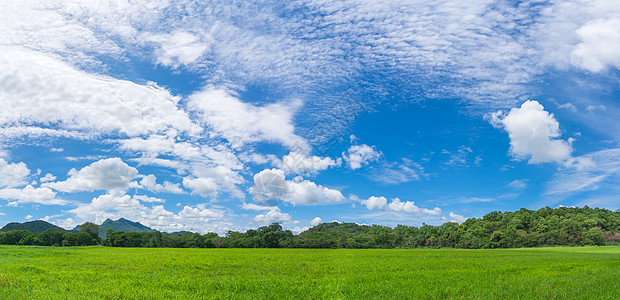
pixel 185 115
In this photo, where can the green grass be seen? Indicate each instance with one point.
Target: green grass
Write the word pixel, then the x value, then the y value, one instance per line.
pixel 140 273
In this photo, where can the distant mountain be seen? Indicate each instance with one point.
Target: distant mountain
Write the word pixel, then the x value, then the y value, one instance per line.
pixel 122 225
pixel 37 226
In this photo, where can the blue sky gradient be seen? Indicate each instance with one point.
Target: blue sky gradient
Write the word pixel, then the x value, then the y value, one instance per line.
pixel 184 115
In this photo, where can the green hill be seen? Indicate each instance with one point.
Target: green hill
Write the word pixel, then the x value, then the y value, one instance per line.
pixel 37 226
pixel 122 225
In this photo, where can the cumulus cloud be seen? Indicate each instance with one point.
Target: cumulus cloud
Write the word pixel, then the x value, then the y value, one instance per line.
pixel 13 174
pixel 210 181
pixel 106 174
pixel 271 184
pixel 149 183
pixel 315 221
pixel 118 205
pixel 599 46
pixel 457 218
pixel 241 123
pixel 298 163
pixel 67 223
pixel 375 203
pixel 533 133
pixel 272 216
pixel 205 187
pixel 47 177
pixel 360 155
pixel 31 195
pixel 381 203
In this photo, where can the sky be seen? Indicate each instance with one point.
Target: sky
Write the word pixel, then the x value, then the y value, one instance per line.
pixel 210 116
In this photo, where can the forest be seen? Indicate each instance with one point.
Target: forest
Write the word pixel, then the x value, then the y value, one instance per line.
pixel 523 228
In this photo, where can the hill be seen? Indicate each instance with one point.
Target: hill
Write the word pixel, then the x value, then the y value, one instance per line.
pixel 37 226
pixel 122 225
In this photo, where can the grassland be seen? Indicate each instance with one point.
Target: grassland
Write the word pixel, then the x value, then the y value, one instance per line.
pixel 137 273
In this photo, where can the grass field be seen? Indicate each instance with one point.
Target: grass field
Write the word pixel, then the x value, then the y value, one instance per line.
pixel 141 273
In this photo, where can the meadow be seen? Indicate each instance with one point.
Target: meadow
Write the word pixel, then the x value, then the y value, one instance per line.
pixel 31 272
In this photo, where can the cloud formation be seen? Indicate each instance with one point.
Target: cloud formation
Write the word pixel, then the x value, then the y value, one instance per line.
pixel 533 134
pixel 299 163
pixel 381 203
pixel 360 155
pixel 116 205
pixel 271 184
pixel 106 174
pixel 13 174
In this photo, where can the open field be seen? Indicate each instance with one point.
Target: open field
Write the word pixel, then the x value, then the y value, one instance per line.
pixel 138 273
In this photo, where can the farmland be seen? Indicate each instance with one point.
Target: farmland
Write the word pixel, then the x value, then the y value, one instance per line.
pixel 29 272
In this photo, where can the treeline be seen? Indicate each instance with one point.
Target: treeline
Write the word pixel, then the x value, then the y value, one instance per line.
pixel 86 236
pixel 523 228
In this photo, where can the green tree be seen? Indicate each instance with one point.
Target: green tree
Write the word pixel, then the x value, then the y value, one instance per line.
pixel 52 237
pixel 92 229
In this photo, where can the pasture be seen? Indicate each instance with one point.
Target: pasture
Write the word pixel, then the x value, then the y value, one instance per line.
pixel 29 272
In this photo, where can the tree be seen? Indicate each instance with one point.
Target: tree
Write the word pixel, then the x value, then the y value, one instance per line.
pixel 51 237
pixel 92 229
pixel 594 236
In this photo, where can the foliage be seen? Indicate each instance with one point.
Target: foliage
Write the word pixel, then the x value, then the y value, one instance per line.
pixel 37 226
pixel 523 228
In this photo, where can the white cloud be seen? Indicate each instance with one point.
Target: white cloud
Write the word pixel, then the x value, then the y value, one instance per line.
pixel 149 199
pixel 106 174
pixel 45 90
pixel 602 172
pixel 272 216
pixel 67 223
pixel 307 193
pixel 30 194
pixel 533 133
pixel 315 221
pixel 360 155
pixel 13 174
pixel 599 46
pixel 271 184
pixel 177 48
pixel 241 123
pixel 252 206
pixel 47 177
pixel 205 187
pixel 457 218
pixel 381 203
pixel 149 183
pixel 298 163
pixel 28 217
pixel 2 214
pixel 210 181
pixel 375 203
pixel 118 205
